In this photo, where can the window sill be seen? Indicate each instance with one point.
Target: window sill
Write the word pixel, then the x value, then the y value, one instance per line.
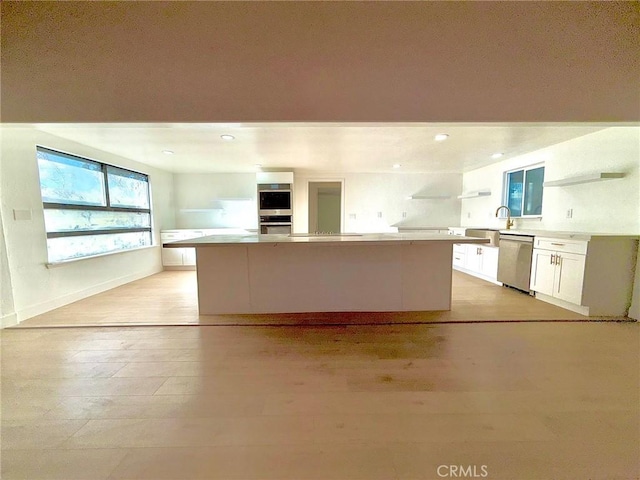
pixel 90 257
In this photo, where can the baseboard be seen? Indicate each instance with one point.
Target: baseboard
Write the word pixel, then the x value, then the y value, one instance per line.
pixel 179 267
pixel 563 304
pixel 478 275
pixel 44 307
pixel 9 320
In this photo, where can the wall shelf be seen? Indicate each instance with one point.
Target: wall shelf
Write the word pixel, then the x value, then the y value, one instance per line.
pixel 476 194
pixel 428 197
pixel 593 177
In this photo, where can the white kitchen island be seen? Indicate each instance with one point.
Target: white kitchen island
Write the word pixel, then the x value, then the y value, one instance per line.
pixel 325 273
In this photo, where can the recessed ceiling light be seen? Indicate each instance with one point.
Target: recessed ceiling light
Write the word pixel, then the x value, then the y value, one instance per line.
pixel 441 137
pixel 497 155
pixel 396 165
pixel 227 137
pixel 168 152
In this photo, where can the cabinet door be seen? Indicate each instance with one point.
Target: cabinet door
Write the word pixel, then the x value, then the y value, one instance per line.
pixel 189 256
pixel 473 258
pixel 172 256
pixel 569 277
pixel 542 272
pixel 489 262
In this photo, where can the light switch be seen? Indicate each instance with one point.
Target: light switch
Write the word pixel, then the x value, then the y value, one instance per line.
pixel 21 214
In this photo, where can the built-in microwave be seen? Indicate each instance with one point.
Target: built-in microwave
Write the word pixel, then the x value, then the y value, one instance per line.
pixel 274 199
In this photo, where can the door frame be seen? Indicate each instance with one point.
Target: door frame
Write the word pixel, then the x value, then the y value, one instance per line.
pixel 325 180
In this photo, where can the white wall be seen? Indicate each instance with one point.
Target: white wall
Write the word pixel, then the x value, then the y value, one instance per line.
pixel 366 194
pixel 611 206
pixel 220 200
pixel 34 287
pixel 7 310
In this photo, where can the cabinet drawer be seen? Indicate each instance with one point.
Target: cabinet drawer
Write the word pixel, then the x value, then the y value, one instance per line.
pixel 561 245
pixel 459 248
pixel 170 237
pixel 458 259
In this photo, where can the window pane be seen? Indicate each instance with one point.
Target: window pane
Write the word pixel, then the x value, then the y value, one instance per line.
pixel 127 189
pixel 69 180
pixel 74 220
pixel 533 191
pixel 514 192
pixel 65 248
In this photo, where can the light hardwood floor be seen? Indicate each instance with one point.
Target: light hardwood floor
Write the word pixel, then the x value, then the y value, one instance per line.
pixel 527 400
pixel 170 298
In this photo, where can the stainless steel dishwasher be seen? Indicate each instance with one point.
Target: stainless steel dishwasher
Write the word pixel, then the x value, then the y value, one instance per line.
pixel 514 261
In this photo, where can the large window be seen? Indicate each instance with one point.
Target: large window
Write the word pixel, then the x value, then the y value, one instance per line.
pixel 90 207
pixel 523 191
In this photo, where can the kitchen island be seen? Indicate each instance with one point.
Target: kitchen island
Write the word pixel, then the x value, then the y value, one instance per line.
pixel 324 273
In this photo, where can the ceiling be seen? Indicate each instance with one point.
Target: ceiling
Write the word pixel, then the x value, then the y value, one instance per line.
pixel 318 147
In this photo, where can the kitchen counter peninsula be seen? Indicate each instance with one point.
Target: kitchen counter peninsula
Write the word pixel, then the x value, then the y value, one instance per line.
pixel 324 273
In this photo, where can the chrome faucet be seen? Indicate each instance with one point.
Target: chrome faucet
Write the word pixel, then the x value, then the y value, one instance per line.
pixel 509 221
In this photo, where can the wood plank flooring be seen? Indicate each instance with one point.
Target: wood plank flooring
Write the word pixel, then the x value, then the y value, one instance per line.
pixel 313 399
pixel 538 400
pixel 170 298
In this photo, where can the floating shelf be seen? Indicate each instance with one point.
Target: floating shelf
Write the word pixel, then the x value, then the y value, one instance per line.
pixel 593 177
pixel 429 197
pixel 476 194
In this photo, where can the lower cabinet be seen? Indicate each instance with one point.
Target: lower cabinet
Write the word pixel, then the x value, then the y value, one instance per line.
pixel 592 277
pixel 558 274
pixel 185 258
pixel 179 258
pixel 477 260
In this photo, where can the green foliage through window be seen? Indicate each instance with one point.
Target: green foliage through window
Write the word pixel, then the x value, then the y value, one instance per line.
pixel 91 207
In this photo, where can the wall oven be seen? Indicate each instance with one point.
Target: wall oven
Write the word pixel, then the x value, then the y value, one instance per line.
pixel 274 199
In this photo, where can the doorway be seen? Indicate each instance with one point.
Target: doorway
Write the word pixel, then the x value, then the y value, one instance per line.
pixel 325 206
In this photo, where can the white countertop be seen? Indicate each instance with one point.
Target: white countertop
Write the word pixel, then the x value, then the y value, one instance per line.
pixel 332 239
pixel 585 236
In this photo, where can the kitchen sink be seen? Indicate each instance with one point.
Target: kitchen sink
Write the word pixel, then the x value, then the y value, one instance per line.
pixel 492 235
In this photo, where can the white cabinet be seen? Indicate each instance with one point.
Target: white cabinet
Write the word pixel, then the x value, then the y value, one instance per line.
pixel 179 258
pixel 592 276
pixel 459 255
pixel 482 261
pixel 172 257
pixel 558 274
pixel 185 258
pixel 478 260
pixel 459 231
pixel 489 262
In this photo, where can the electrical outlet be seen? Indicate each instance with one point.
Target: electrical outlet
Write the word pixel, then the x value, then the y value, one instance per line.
pixel 352 216
pixel 404 214
pixel 379 214
pixel 468 214
pixel 570 213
